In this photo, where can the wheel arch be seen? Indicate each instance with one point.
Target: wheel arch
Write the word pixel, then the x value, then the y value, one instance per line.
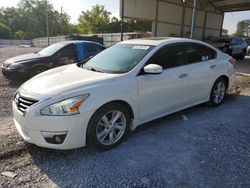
pixel 121 102
pixel 226 78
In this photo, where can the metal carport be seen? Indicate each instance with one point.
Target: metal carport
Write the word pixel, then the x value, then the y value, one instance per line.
pixel 184 18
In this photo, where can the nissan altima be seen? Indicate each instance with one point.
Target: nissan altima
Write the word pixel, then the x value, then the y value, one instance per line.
pixel 98 102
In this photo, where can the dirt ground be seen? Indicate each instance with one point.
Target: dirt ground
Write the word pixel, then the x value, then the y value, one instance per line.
pixel 210 149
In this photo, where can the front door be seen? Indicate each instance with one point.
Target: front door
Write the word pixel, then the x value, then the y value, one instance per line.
pixel 165 92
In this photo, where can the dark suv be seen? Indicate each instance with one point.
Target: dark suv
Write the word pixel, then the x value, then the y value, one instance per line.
pixel 58 54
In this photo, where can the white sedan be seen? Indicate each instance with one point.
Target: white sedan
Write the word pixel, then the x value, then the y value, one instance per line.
pixel 97 102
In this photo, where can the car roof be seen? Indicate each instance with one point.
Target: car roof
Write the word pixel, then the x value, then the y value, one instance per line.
pixel 77 41
pixel 154 41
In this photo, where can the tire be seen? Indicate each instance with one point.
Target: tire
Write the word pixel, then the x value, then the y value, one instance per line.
pixel 217 96
pixel 243 54
pixel 36 70
pixel 104 135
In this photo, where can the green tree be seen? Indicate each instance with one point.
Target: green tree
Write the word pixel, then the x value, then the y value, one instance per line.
pixel 20 34
pixel 224 32
pixel 94 21
pixel 29 17
pixel 5 31
pixel 129 25
pixel 243 28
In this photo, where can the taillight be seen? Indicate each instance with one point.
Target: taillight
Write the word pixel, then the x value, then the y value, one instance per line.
pixel 233 62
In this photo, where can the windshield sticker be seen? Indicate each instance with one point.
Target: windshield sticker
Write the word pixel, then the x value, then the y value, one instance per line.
pixel 141 47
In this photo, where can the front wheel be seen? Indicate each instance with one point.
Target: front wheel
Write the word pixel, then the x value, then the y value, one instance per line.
pixel 108 126
pixel 218 92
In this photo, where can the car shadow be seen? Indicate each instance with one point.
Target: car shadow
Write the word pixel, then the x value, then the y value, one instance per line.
pixel 165 155
pixel 11 83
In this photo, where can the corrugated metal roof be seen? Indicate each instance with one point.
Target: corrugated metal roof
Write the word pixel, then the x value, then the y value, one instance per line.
pixel 229 5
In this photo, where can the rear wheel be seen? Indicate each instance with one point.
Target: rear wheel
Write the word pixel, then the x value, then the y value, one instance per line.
pixel 108 126
pixel 218 92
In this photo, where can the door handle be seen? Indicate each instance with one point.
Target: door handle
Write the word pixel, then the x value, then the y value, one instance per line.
pixel 183 75
pixel 213 66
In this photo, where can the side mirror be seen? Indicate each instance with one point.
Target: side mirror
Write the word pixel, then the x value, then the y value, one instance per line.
pixel 153 69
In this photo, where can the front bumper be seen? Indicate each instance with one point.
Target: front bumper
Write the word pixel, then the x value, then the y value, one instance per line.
pixel 34 129
pixel 13 74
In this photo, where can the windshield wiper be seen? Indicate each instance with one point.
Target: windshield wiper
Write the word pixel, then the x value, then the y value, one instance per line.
pixel 81 63
pixel 92 69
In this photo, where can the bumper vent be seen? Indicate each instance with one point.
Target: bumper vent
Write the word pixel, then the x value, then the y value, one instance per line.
pixel 23 103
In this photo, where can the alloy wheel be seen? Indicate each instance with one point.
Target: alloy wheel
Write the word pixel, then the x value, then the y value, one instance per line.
pixel 219 92
pixel 111 127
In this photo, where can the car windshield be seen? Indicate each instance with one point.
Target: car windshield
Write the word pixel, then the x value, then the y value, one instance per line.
pixel 50 50
pixel 119 58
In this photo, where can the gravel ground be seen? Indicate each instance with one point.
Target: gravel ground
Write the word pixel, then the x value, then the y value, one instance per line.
pixel 211 149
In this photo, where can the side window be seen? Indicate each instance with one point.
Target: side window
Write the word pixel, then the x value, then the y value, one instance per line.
pixel 193 54
pixel 248 41
pixel 239 41
pixel 168 56
pixel 90 49
pixel 69 51
pixel 234 41
pixel 197 52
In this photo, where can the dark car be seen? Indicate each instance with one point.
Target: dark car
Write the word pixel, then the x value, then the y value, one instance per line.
pixel 58 54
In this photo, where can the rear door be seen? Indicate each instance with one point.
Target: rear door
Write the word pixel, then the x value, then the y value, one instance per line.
pixel 202 69
pixel 165 92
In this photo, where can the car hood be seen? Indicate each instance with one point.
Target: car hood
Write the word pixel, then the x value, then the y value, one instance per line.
pixel 64 79
pixel 25 57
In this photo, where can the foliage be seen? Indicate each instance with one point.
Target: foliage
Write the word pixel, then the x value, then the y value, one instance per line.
pixel 129 25
pixel 5 31
pixel 94 21
pixel 28 20
pixel 243 28
pixel 224 32
pixel 29 17
pixel 97 20
pixel 20 34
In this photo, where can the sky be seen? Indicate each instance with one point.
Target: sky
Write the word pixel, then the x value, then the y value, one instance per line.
pixel 74 8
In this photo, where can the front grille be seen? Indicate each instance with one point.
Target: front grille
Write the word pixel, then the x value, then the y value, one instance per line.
pixel 23 103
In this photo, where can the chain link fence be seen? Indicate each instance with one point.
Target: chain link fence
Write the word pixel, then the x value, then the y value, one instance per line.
pixel 7 52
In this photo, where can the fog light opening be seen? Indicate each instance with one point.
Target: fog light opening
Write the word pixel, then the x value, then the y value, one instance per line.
pixel 58 139
pixel 54 137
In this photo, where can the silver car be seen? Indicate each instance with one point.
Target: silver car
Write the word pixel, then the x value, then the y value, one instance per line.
pixel 238 47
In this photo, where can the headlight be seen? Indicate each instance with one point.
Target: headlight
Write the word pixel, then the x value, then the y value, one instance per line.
pixel 66 107
pixel 15 66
